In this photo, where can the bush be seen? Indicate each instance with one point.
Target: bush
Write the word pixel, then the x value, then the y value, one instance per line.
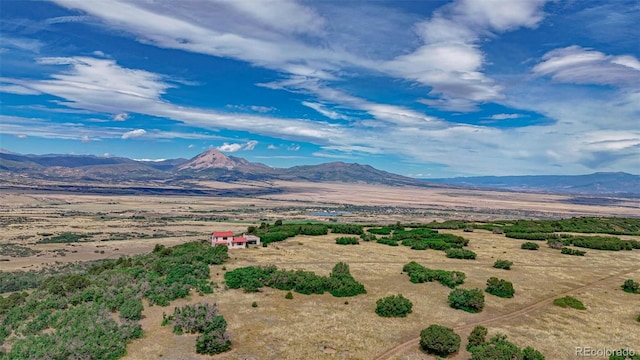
pixel 631 286
pixel 254 304
pixel 455 253
pixel 289 295
pixel 638 318
pixel 568 251
pixel 477 337
pixel 530 246
pixel 213 341
pixel 499 348
pixel 569 301
pixel 500 288
pixel 131 309
pixel 380 231
pixel 503 264
pixel 394 306
pixel 439 340
pixel 419 274
pixel 530 353
pixel 468 300
pixel 347 241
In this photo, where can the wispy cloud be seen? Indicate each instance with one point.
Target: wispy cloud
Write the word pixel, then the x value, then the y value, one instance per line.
pixel 134 133
pixel 578 65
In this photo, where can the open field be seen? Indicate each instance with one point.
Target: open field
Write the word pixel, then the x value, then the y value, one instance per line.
pixel 322 326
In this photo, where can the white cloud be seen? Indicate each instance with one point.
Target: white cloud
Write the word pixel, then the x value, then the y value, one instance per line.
pixel 233 147
pixel 578 65
pixel 21 136
pixel 506 116
pixel 191 146
pixel 120 117
pixel 324 111
pixel 134 133
pixel 293 147
pixel 85 139
pixel 18 89
pixel 272 147
pixel 450 61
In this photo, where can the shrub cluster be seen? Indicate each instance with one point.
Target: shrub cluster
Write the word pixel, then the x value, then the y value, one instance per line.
pixel 499 287
pixel 439 340
pixel 381 231
pixel 279 231
pixel 569 301
pixel 530 246
pixel 477 337
pixel 347 229
pixel 468 300
pixel 460 254
pixel 631 286
pixel 76 308
pixel 340 283
pixel 347 241
pixel 420 274
pixel 602 243
pixel 393 306
pixel 503 264
pixel 387 241
pixel 202 319
pixel 368 237
pixel 574 252
pixel 65 237
pixel 499 348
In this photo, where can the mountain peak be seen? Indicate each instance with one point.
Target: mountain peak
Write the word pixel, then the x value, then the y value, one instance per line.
pixel 209 159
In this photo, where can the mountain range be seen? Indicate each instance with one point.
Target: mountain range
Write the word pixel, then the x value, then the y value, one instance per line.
pixel 209 165
pixel 214 165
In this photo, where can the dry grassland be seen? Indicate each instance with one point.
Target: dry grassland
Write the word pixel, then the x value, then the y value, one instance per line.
pixel 322 326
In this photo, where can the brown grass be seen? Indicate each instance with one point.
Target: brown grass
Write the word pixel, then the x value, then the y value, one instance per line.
pixel 308 326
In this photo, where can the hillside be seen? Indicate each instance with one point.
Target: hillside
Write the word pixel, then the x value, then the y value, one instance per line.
pixel 597 183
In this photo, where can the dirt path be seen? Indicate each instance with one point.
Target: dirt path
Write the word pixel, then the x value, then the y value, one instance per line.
pixel 413 343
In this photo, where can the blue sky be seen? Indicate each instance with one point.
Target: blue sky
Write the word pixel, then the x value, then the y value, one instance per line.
pixel 419 88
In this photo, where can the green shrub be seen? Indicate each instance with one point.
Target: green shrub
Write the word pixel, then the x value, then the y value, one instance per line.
pixel 468 300
pixel 477 337
pixel 439 340
pixel 530 246
pixel 393 306
pixel 569 301
pixel 460 254
pixel 213 341
pixel 530 353
pixel 499 348
pixel 368 237
pixel 420 274
pixel 347 229
pixel 503 264
pixel 631 286
pixel 499 287
pixel 347 241
pixel 638 318
pixel 289 295
pixel 131 309
pixel 380 231
pixel 387 241
pixel 568 251
pixel 254 304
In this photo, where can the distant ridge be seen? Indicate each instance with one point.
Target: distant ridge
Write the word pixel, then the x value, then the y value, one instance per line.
pixel 209 165
pixel 596 183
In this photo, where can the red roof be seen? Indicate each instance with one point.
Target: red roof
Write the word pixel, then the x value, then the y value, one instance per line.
pixel 221 242
pixel 222 233
pixel 239 240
